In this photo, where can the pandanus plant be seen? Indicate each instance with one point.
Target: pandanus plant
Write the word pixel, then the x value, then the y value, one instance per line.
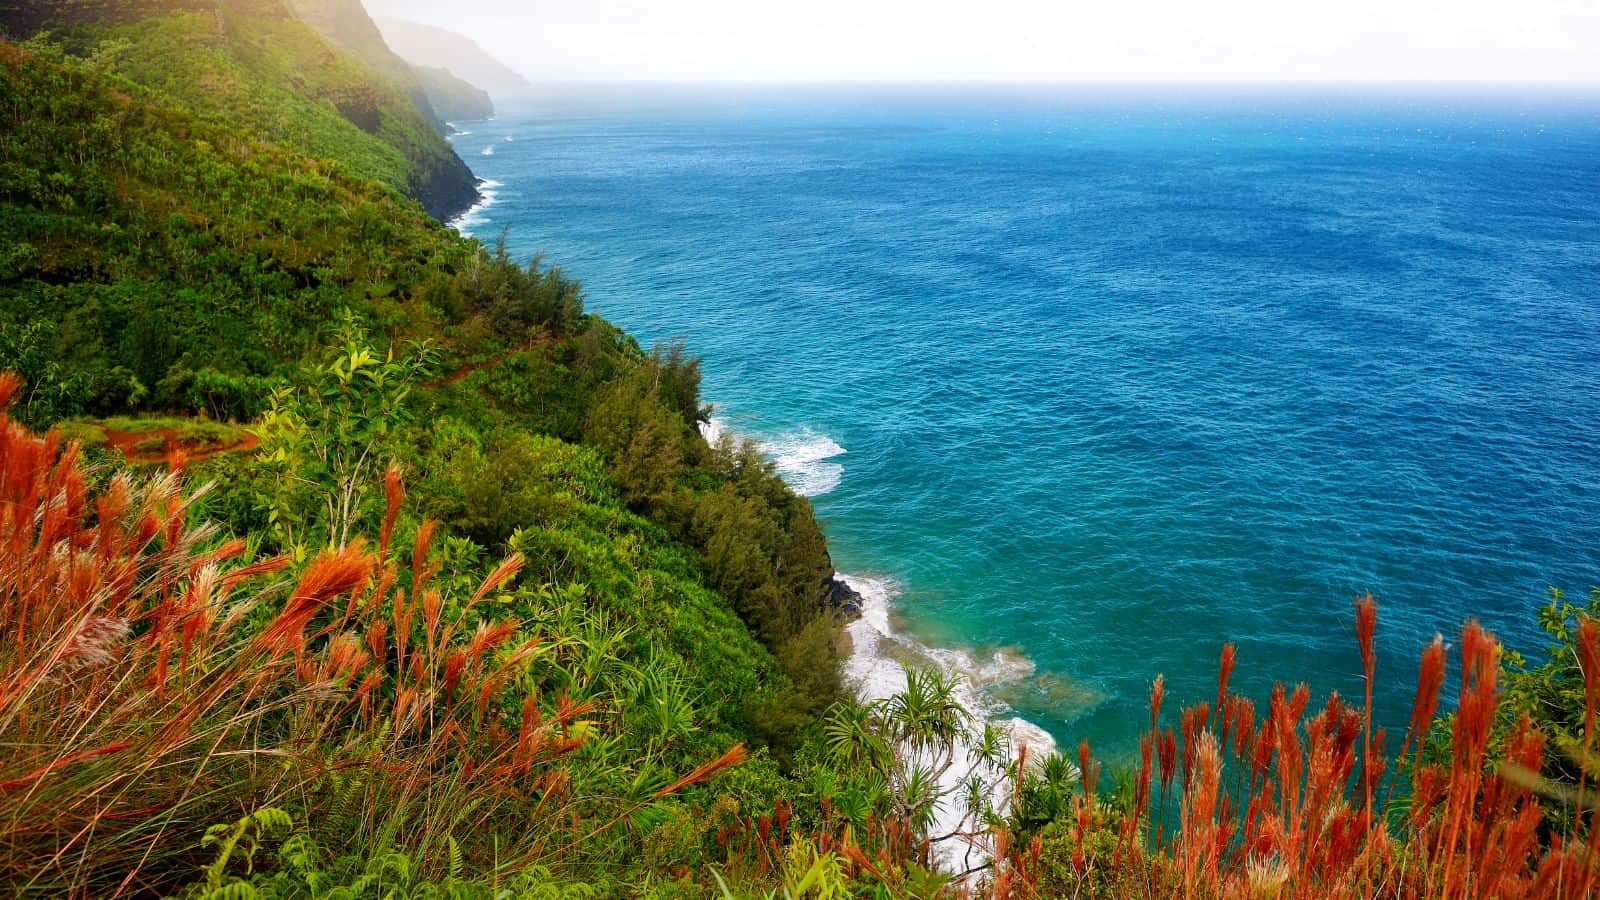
pixel 153 681
pixel 930 756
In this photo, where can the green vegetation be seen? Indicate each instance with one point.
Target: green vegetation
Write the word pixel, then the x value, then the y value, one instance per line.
pixel 1553 695
pixel 221 264
pixel 452 99
pixel 451 598
pixel 164 262
pixel 157 260
pixel 439 95
pixel 261 71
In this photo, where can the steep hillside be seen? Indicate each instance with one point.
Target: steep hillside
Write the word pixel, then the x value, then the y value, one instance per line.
pixel 454 100
pixel 441 96
pixel 347 25
pixel 255 64
pixel 156 259
pixel 426 45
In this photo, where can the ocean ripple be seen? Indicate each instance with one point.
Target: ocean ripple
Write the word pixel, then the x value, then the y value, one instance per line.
pixel 1123 374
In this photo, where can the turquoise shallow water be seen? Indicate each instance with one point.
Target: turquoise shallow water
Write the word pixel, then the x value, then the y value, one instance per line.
pixel 1108 377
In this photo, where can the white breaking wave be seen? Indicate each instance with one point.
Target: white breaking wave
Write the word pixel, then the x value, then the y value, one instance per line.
pixel 489 150
pixel 876 669
pixel 474 217
pixel 713 429
pixel 804 457
pixel 508 139
pixel 805 460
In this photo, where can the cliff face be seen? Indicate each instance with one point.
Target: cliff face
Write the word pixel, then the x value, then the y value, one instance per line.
pixel 444 185
pixel 346 24
pixel 255 62
pixel 440 179
pixel 452 99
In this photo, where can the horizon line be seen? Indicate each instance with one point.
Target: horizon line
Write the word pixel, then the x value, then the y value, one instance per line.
pixel 1576 83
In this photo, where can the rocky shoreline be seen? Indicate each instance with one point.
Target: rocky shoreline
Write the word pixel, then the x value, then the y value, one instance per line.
pixel 843 599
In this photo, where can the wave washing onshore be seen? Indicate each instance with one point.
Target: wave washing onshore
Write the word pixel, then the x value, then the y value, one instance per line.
pixel 804 457
pixel 876 666
pixel 475 215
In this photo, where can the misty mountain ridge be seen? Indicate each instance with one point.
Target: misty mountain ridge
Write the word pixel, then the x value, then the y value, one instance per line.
pixel 433 47
pixel 440 95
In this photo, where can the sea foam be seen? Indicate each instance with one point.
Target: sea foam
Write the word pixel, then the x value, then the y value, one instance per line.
pixel 876 669
pixel 488 192
pixel 806 459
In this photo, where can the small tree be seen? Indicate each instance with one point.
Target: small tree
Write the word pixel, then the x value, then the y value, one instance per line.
pixel 924 746
pixel 324 438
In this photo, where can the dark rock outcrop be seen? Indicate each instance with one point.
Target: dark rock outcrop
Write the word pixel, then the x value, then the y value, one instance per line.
pixel 444 186
pixel 842 599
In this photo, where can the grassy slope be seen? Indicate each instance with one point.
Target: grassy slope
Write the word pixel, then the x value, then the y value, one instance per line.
pixel 253 63
pixel 146 243
pixel 256 246
pixel 439 177
pixel 346 24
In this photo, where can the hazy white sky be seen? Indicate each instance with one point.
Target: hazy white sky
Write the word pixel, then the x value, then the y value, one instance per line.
pixel 1024 40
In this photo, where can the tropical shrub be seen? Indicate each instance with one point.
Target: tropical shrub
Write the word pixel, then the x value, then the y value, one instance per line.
pixel 152 679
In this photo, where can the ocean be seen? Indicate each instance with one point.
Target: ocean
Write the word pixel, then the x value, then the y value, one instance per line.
pixel 1086 381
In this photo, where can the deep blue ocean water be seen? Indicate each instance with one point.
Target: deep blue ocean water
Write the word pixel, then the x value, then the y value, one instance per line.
pixel 1119 374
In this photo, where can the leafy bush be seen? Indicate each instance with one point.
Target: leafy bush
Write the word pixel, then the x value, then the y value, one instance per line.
pixel 152 682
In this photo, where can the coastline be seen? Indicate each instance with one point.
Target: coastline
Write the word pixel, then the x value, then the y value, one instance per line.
pixel 473 216
pixel 875 668
pixel 877 655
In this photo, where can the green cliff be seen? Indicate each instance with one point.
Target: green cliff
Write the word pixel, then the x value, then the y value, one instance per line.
pixel 453 99
pixel 256 64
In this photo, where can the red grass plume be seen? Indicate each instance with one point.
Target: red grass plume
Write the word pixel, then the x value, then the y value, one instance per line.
pixel 1297 815
pixel 138 702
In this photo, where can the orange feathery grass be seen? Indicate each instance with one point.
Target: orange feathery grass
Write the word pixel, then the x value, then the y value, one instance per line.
pixel 502 573
pixel 1366 628
pixel 138 702
pixel 1299 818
pixel 733 756
pixel 394 494
pixel 1230 655
pixel 331 574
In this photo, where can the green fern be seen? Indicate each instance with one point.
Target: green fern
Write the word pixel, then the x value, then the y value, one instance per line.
pixel 243 837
